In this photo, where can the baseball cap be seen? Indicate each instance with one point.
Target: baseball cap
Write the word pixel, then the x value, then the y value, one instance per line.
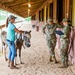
pixel 11 17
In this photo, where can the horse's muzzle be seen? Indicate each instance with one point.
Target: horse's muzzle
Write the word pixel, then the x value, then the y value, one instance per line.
pixel 28 45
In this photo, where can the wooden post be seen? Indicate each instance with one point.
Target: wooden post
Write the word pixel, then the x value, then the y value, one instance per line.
pixel 66 6
pixel 2 26
pixel 45 14
pixel 41 14
pixel 73 13
pixel 49 10
pixel 55 10
pixel 37 16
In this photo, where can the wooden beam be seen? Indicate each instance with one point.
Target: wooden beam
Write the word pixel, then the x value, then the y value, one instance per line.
pixel 26 8
pixel 26 13
pixel 8 9
pixel 15 6
pixel 26 4
pixel 13 2
pixel 42 6
pixel 6 1
pixel 2 26
pixel 18 3
pixel 33 9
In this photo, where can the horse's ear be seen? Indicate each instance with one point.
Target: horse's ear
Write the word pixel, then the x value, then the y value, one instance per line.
pixel 30 31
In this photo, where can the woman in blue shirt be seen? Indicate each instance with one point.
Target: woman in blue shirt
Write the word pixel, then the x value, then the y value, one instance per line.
pixel 11 29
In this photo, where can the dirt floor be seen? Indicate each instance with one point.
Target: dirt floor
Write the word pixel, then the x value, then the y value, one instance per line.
pixel 35 59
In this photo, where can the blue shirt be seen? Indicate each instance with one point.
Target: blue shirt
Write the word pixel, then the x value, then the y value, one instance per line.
pixel 11 32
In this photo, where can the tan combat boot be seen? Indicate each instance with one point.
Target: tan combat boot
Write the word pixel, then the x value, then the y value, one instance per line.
pixel 54 58
pixel 50 59
pixel 62 65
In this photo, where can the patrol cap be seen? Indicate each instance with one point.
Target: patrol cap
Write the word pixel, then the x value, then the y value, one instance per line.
pixel 12 17
pixel 65 20
pixel 50 20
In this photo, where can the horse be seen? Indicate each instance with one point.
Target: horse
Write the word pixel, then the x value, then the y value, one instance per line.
pixel 4 44
pixel 21 40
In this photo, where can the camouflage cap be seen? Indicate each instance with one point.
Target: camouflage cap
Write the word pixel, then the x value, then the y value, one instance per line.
pixel 50 20
pixel 65 20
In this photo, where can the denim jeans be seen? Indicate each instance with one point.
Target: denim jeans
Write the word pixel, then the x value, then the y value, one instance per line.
pixel 12 50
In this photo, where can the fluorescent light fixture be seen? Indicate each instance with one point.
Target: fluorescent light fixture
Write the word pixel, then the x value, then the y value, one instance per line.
pixel 28 10
pixel 29 5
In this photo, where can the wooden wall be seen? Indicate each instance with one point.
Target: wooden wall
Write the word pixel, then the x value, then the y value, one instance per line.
pixel 52 9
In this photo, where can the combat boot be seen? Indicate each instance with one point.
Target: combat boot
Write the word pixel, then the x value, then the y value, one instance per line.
pixel 62 65
pixel 50 59
pixel 66 63
pixel 54 58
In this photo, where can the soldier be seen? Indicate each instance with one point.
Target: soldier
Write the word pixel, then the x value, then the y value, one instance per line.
pixel 49 29
pixel 65 42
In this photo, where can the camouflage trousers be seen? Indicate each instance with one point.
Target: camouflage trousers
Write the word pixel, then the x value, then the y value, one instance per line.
pixel 51 43
pixel 64 50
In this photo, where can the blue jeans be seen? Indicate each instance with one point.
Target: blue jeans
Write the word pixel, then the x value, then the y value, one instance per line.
pixel 12 50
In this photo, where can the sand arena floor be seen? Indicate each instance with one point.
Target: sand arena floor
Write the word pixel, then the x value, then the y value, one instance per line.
pixel 35 59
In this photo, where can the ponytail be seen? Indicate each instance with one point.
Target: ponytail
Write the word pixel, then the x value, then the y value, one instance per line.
pixel 7 21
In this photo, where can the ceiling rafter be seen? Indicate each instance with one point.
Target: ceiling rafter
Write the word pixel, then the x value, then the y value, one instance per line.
pixel 20 7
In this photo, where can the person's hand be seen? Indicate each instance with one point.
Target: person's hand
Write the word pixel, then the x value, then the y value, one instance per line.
pixel 21 31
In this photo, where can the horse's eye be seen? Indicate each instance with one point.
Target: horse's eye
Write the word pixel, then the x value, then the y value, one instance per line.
pixel 25 37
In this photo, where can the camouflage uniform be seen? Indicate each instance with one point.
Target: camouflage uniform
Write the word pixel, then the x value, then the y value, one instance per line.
pixel 49 30
pixel 65 44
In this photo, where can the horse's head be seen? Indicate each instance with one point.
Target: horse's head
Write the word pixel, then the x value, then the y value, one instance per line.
pixel 26 38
